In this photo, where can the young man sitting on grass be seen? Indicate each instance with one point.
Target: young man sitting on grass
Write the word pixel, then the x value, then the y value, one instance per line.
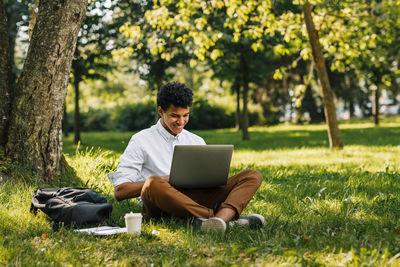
pixel 145 165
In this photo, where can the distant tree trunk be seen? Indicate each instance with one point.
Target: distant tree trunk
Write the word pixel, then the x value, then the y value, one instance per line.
pixel 5 77
pixel 335 140
pixel 159 73
pixel 13 17
pixel 159 81
pixel 245 115
pixel 34 137
pixel 236 89
pixel 351 108
pixel 77 115
pixel 375 105
pixel 309 104
pixel 190 77
pixel 349 88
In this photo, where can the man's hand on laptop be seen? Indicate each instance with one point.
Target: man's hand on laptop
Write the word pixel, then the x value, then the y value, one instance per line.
pixel 166 178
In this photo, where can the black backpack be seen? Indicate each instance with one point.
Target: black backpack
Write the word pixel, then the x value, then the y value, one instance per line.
pixel 71 205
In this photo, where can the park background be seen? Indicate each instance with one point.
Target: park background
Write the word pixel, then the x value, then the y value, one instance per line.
pixel 254 70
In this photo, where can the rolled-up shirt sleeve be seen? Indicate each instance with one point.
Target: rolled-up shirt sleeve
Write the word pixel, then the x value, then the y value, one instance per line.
pixel 130 167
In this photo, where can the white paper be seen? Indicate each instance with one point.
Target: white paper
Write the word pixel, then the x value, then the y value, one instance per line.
pixel 102 230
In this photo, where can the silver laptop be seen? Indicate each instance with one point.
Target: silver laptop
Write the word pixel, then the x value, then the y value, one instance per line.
pixel 200 166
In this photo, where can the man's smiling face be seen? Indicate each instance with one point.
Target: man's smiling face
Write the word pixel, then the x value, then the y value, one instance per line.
pixel 174 118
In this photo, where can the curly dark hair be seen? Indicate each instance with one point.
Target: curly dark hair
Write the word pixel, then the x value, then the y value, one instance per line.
pixel 175 93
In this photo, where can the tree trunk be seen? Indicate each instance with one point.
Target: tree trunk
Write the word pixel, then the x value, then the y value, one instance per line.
pixel 190 76
pixel 34 137
pixel 14 12
pixel 351 108
pixel 375 105
pixel 236 89
pixel 77 117
pixel 159 80
pixel 335 140
pixel 159 76
pixel 245 115
pixel 5 77
pixel 349 100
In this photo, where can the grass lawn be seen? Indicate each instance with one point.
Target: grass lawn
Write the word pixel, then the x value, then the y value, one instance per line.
pixel 322 207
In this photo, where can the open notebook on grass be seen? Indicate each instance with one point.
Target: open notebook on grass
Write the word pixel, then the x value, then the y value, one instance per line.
pixel 102 230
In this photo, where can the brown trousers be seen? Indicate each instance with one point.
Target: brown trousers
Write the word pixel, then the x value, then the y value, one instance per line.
pixel 160 198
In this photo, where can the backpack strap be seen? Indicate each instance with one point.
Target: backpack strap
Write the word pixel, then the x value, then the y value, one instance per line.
pixel 40 198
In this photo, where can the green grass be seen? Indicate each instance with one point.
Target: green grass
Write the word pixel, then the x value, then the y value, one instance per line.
pixel 322 207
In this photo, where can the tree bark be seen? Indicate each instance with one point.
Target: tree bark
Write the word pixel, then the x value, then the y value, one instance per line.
pixel 245 115
pixel 34 137
pixel 5 76
pixel 335 140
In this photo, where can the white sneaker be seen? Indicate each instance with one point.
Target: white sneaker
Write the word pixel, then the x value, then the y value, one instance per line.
pixel 209 225
pixel 252 221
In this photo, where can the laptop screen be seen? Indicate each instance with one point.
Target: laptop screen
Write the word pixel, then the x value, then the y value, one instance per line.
pixel 200 166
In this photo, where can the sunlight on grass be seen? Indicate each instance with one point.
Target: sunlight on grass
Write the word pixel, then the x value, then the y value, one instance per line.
pixel 322 206
pixel 92 166
pixel 367 158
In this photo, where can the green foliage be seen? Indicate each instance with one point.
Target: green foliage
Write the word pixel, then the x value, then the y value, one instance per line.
pixel 154 49
pixel 93 49
pixel 366 39
pixel 96 120
pixel 234 38
pixel 135 117
pixel 321 207
pixel 206 116
pixel 358 40
pixel 309 104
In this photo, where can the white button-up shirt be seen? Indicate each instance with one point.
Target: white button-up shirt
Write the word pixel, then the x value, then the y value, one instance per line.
pixel 149 153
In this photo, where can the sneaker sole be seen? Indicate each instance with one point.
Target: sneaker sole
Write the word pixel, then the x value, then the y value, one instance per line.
pixel 260 217
pixel 213 224
pixel 252 221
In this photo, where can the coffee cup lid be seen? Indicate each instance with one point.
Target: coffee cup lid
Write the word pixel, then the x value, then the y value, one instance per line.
pixel 133 215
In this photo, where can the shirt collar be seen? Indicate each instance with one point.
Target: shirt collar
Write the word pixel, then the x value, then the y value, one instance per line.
pixel 165 134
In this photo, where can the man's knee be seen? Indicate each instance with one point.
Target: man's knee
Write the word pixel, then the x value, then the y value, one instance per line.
pixel 254 176
pixel 151 185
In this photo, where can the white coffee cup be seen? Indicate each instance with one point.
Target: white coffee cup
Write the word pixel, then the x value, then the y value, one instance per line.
pixel 133 223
